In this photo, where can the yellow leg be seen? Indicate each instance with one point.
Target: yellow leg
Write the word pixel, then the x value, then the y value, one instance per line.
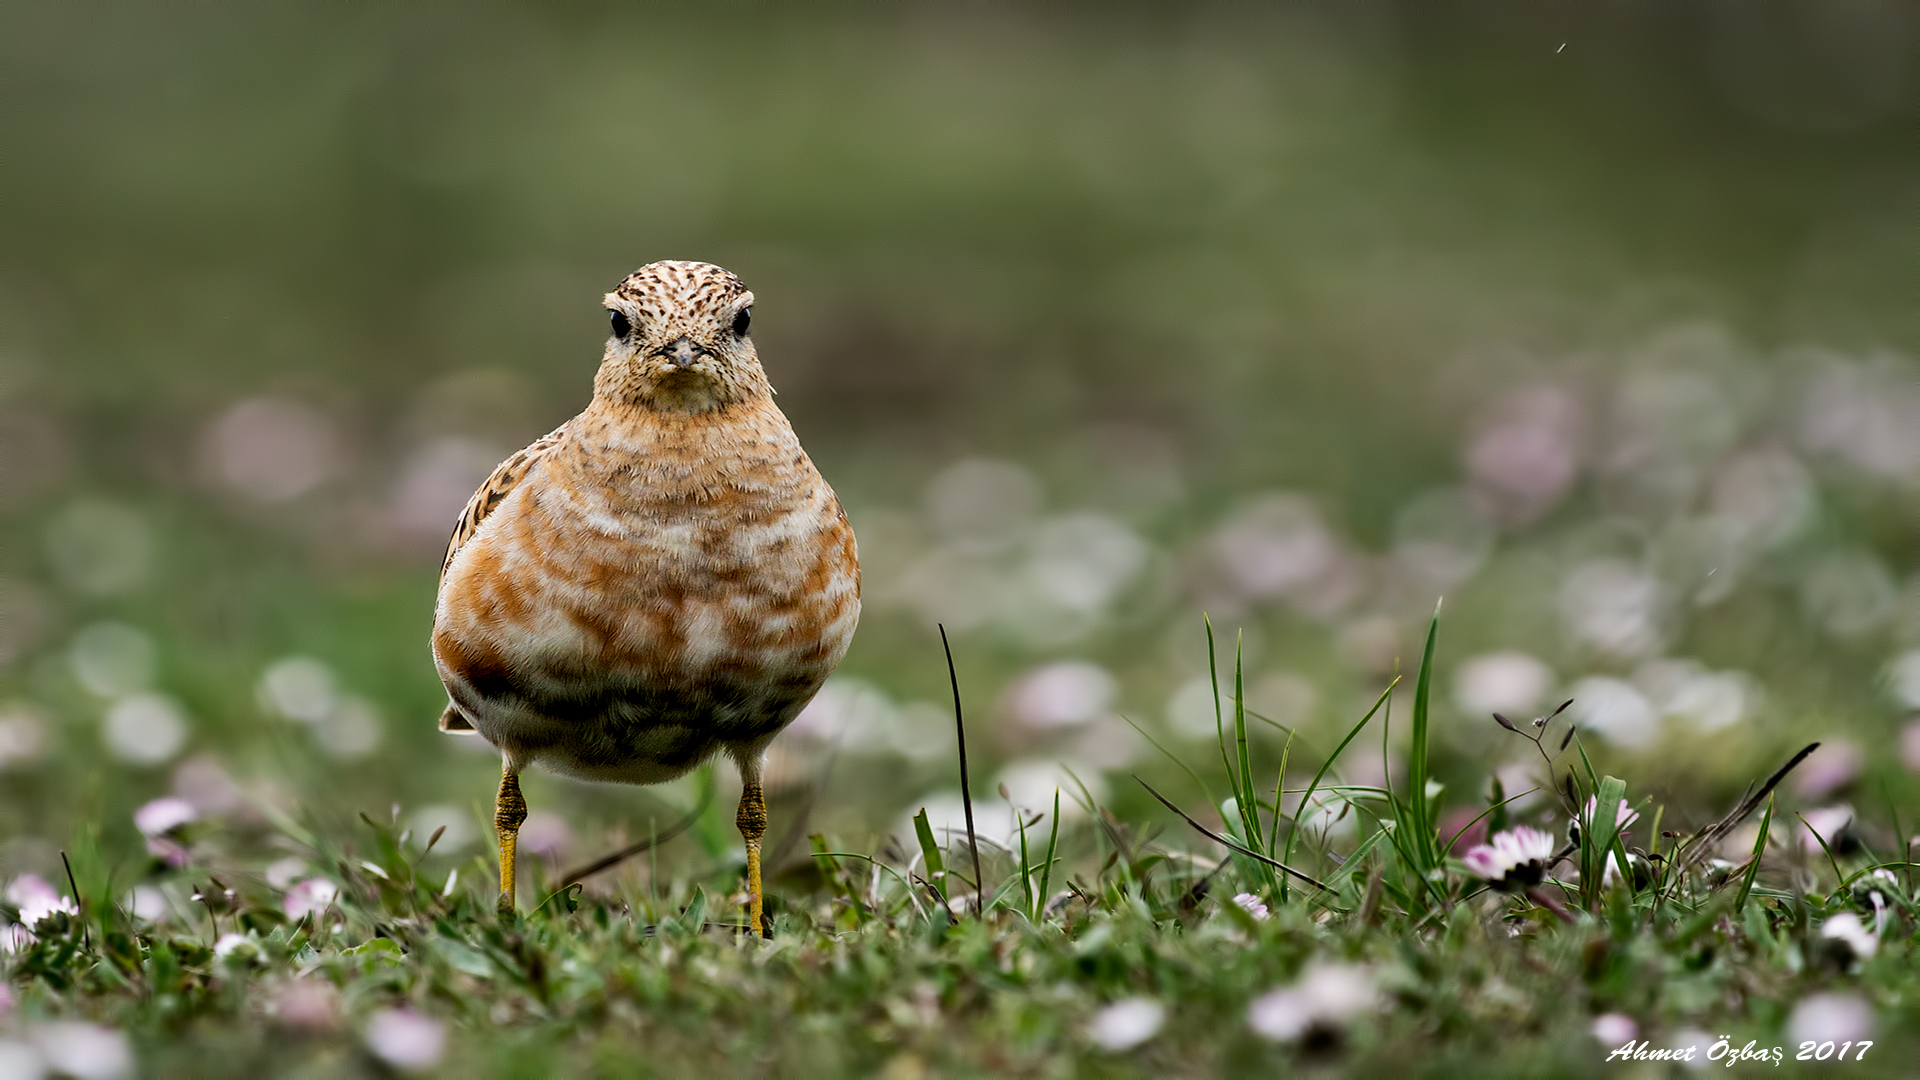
pixel 509 810
pixel 752 821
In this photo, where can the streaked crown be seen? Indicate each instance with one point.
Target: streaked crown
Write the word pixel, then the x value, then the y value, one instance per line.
pixel 679 339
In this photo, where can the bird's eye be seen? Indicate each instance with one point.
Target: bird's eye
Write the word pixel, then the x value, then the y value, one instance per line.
pixel 741 320
pixel 621 327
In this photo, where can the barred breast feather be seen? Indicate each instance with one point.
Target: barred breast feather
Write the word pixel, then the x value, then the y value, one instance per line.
pixel 630 594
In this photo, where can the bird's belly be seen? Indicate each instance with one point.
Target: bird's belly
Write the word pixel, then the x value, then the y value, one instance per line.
pixel 637 657
pixel 632 730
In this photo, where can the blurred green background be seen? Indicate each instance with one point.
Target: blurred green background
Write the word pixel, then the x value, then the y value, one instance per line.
pixel 1597 319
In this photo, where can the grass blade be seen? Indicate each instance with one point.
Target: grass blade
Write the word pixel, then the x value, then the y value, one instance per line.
pixel 80 905
pixel 1205 791
pixel 654 838
pixel 1280 789
pixel 1482 815
pixel 1293 833
pixel 1363 849
pixel 930 852
pixel 1753 866
pixel 1838 874
pixel 1597 838
pixel 1219 721
pixel 836 879
pixel 966 788
pixel 1708 839
pixel 1053 846
pixel 905 885
pixel 1425 838
pixel 1026 864
pixel 1250 805
pixel 1231 845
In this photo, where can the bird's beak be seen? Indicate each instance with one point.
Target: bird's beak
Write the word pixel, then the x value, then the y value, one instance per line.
pixel 683 352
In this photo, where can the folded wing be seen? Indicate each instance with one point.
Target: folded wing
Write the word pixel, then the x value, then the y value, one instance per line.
pixel 504 479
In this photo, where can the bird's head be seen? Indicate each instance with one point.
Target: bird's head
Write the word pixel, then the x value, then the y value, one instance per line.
pixel 679 340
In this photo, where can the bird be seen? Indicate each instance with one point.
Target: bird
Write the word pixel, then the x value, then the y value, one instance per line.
pixel 662 579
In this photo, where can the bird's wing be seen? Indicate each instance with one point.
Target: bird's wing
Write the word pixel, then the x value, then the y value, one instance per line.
pixel 496 488
pixel 505 478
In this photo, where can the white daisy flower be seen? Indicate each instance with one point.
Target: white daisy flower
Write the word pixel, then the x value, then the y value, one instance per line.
pixel 1512 860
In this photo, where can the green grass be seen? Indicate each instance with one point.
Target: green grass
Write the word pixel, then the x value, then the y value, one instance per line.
pixel 879 965
pixel 1169 262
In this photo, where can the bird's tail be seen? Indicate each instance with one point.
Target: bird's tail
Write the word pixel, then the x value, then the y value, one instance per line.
pixel 455 722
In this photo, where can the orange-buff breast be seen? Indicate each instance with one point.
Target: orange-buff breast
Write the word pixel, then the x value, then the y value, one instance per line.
pixel 658 587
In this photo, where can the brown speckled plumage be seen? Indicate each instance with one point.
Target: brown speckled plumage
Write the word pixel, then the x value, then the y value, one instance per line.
pixel 663 577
